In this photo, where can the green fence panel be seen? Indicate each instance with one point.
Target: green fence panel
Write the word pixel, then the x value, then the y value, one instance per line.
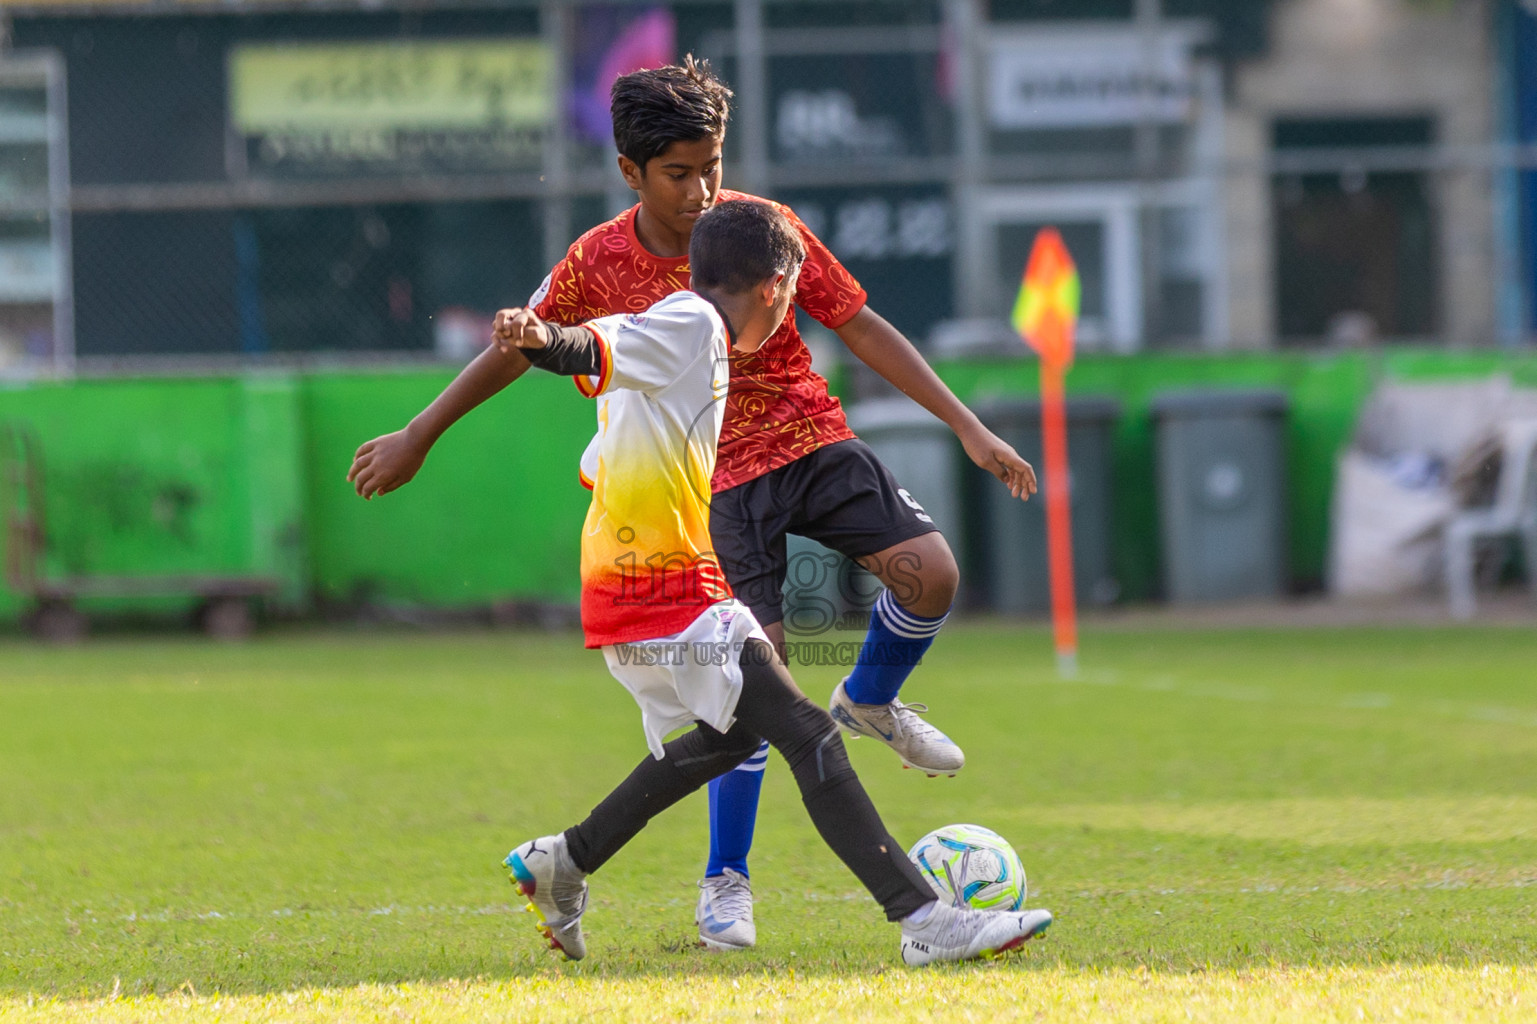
pixel 141 476
pixel 495 513
pixel 273 446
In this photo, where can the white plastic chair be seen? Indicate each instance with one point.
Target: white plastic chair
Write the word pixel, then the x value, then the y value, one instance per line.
pixel 1513 514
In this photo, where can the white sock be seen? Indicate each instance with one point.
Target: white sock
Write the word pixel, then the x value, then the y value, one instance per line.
pixel 921 915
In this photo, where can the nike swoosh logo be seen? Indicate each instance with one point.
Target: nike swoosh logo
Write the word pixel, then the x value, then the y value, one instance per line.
pixel 842 717
pixel 715 927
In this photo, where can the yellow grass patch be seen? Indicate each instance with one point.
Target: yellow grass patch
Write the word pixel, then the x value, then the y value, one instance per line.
pixel 987 993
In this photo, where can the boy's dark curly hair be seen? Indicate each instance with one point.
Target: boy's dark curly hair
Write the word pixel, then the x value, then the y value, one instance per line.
pixel 654 108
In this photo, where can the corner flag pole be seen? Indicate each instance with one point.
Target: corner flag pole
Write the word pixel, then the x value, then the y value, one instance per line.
pixel 1045 315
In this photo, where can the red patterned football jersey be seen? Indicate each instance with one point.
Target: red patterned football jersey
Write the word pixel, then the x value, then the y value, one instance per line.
pixel 778 408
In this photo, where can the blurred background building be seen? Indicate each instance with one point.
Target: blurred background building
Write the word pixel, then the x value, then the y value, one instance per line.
pixel 253 178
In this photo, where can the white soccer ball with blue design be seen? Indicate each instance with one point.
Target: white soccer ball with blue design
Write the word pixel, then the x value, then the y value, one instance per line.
pixel 969 865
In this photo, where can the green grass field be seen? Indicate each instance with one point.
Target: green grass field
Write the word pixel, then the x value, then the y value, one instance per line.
pixel 1229 825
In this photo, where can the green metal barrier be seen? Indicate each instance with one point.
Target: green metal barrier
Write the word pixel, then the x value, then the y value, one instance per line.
pixel 246 475
pixel 495 513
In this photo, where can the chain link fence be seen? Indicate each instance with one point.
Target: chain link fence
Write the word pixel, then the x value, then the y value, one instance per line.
pixel 926 141
pixel 399 277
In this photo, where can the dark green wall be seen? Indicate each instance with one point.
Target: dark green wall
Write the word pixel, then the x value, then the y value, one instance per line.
pixel 246 474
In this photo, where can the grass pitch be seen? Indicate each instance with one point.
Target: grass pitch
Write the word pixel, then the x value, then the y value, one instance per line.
pixel 1235 825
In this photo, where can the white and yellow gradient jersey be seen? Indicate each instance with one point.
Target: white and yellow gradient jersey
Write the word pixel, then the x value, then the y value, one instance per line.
pixel 648 568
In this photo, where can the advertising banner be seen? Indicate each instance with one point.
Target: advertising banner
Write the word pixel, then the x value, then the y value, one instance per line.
pixel 897 240
pixel 611 41
pixel 391 107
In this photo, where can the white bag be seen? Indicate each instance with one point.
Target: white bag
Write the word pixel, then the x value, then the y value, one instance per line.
pixel 1386 537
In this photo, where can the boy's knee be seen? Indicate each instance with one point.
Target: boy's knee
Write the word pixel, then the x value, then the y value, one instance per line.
pixel 811 719
pixel 921 575
pixel 815 742
pixel 704 753
pixel 741 743
pixel 831 759
pixel 940 581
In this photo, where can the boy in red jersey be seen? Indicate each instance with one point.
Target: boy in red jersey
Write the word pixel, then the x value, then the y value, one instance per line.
pixel 788 462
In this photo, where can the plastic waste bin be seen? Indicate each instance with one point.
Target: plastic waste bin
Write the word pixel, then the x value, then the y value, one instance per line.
pixel 919 450
pixel 1221 493
pixel 1006 562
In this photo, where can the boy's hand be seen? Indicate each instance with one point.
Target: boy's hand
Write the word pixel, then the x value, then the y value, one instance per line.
pixel 989 451
pixel 518 328
pixel 385 463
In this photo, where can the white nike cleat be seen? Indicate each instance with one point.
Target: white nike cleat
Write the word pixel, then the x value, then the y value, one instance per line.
pixel 952 933
pixel 724 913
pixel 897 725
pixel 556 889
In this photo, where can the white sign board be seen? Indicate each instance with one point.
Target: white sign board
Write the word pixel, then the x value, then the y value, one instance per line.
pixel 1086 78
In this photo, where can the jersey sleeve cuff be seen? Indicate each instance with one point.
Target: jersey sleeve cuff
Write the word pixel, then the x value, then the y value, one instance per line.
pixel 592 386
pixel 849 312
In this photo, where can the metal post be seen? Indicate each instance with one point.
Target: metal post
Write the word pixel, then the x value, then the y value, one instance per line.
pixel 969 268
pixel 1215 325
pixel 1149 20
pixel 752 96
pixel 555 204
pixel 1149 17
pixel 59 218
pixel 1512 312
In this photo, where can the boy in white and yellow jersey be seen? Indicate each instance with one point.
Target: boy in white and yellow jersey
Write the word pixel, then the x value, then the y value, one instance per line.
pixel 656 602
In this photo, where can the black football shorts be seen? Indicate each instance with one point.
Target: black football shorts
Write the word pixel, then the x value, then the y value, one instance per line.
pixel 840 496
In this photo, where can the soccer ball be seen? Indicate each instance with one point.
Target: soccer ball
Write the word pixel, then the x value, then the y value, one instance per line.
pixel 969 865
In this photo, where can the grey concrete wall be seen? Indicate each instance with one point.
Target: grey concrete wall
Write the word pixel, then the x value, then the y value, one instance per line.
pixel 1367 58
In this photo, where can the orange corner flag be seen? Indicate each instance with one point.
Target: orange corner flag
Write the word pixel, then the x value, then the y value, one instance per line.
pixel 1046 311
pixel 1045 316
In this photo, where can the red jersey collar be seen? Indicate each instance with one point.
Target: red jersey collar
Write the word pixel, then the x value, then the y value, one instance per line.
pixel 668 262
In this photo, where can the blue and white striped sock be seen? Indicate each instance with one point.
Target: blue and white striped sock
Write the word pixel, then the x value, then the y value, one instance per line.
pixel 734 813
pixel 896 642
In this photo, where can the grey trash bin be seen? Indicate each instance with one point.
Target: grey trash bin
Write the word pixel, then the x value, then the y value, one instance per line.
pixel 1221 472
pixel 919 450
pixel 921 453
pixel 1006 562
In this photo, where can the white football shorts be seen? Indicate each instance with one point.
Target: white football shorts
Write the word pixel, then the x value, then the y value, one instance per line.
pixel 693 675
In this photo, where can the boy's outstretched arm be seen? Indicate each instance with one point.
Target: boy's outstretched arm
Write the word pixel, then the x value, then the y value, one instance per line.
pixel 388 462
pixel 883 348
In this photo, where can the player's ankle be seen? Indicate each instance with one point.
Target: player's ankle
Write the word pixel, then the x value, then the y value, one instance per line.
pixel 920 915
